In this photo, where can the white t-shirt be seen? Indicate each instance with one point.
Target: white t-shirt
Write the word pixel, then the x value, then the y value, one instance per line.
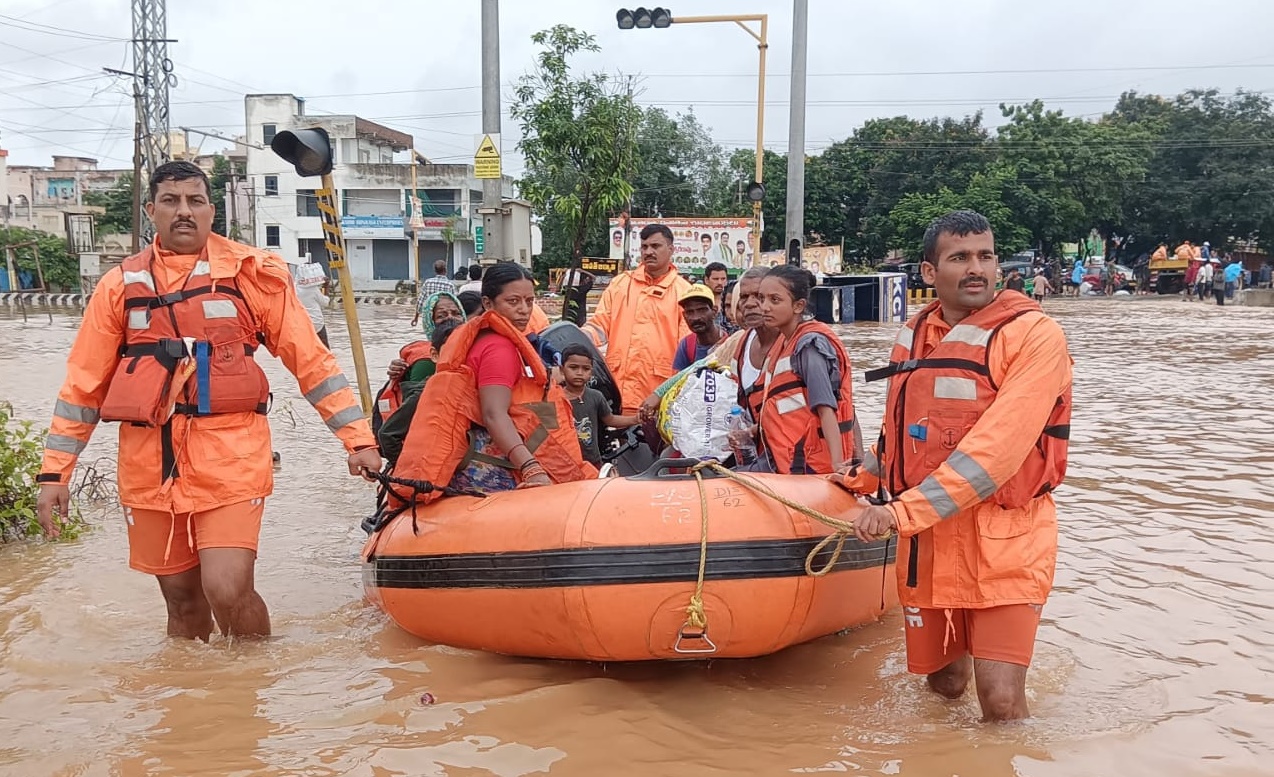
pixel 470 286
pixel 750 372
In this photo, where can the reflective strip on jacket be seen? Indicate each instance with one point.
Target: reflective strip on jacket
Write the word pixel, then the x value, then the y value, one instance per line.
pixel 790 430
pixel 947 465
pixel 438 439
pixel 220 459
pixel 638 322
pixel 390 396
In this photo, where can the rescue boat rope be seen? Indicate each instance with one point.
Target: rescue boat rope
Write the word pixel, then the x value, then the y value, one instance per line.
pixel 843 528
pixel 696 625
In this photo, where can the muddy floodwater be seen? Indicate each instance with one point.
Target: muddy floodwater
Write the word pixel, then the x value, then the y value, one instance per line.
pixel 1155 656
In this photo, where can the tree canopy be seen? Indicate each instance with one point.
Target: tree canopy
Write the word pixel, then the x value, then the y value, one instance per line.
pixel 1152 169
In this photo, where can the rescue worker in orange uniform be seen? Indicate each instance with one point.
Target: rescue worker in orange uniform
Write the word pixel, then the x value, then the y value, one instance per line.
pixel 973 442
pixel 166 349
pixel 490 419
pixel 638 321
pixel 1185 252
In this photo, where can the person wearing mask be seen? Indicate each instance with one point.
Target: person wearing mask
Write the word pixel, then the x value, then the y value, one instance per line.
pixel 310 279
pixel 490 419
pixel 475 280
pixel 973 442
pixel 395 403
pixel 806 423
pixel 638 320
pixel 438 284
pixel 699 311
pixel 167 350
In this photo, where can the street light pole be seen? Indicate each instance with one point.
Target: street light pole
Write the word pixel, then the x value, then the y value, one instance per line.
pixel 492 188
pixel 795 221
pixel 762 43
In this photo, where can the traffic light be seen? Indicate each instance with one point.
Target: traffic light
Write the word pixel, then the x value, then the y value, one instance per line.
pixel 642 18
pixel 308 150
pixel 755 192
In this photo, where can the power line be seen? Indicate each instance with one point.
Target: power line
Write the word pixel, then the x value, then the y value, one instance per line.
pixel 60 32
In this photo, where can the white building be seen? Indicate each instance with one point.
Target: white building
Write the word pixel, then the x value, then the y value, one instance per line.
pixel 372 176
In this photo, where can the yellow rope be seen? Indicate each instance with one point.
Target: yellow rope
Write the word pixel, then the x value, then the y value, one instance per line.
pixel 843 528
pixel 695 616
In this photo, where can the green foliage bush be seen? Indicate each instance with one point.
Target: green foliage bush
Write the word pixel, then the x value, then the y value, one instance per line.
pixel 20 454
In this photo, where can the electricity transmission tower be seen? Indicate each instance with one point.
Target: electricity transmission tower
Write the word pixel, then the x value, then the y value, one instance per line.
pixel 153 71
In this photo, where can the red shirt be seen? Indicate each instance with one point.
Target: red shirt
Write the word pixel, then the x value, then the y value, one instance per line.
pixel 495 361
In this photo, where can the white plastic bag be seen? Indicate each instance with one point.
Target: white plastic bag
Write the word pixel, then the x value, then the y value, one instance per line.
pixel 699 414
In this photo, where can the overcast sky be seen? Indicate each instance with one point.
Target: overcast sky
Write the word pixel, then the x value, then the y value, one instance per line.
pixel 414 66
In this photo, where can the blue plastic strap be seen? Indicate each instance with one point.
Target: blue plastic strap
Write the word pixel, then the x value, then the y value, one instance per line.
pixel 203 377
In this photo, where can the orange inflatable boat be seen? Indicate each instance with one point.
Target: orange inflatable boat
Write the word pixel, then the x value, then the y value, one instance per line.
pixel 606 570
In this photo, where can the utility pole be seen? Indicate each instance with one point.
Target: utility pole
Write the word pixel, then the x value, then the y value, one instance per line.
pixel 795 223
pixel 138 137
pixel 492 188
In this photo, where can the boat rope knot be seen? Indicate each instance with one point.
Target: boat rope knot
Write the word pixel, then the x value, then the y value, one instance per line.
pixel 843 529
pixel 417 487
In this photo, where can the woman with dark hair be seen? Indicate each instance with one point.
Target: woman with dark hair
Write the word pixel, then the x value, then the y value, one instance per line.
pixel 490 419
pixel 806 422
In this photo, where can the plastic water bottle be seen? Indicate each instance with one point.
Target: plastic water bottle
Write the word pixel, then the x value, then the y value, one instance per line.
pixel 745 452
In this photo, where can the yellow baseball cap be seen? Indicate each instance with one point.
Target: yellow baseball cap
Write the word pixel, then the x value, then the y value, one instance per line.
pixel 698 291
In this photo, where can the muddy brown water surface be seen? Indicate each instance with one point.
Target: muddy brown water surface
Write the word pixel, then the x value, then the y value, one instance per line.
pixel 1155 656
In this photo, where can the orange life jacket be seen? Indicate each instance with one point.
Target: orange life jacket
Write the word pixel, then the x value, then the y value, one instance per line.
pixel 390 396
pixel 438 441
pixel 188 351
pixel 790 430
pixel 952 384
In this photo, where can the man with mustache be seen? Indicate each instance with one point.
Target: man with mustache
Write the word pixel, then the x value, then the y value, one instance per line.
pixel 973 442
pixel 166 349
pixel 637 322
pixel 699 311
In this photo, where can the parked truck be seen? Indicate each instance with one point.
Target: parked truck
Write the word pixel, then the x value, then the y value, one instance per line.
pixel 1168 274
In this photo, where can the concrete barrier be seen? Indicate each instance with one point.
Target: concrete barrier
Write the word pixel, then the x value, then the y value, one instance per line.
pixel 31 299
pixel 1258 298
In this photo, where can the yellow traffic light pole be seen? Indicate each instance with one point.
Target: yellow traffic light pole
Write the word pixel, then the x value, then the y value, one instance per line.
pixel 761 45
pixel 334 240
pixel 661 17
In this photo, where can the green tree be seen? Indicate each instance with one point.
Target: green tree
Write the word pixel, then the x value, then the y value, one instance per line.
pixel 1070 173
pixel 1207 178
pixel 578 142
pixel 61 270
pixel 118 202
pixel 680 170
pixel 985 194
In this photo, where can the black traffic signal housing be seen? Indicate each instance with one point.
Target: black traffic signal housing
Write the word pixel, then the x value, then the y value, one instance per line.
pixel 308 150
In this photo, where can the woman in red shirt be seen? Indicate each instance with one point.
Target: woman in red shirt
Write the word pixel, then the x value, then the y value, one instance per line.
pixel 507 289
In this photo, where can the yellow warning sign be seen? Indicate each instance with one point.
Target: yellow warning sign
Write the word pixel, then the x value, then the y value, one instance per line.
pixel 486 161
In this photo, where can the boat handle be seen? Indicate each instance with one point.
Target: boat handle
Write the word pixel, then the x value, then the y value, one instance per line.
pixel 657 470
pixel 687 635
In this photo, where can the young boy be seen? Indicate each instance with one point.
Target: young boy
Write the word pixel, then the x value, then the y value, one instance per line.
pixel 590 407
